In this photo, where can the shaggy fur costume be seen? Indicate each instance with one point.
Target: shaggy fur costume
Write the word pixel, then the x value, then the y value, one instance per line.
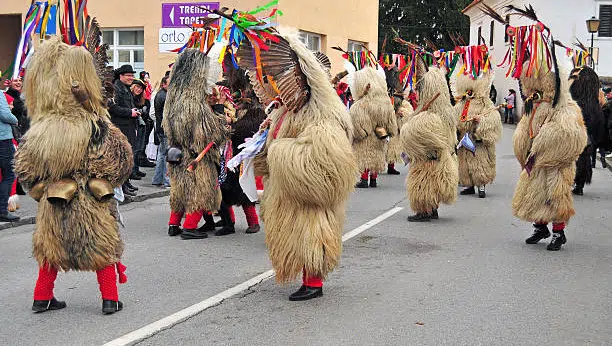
pixel 402 113
pixel 559 136
pixel 432 177
pixel 190 125
pixel 67 141
pixel 309 171
pixel 372 109
pixel 478 168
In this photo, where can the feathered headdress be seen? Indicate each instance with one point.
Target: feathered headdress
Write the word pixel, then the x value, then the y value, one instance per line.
pixel 531 47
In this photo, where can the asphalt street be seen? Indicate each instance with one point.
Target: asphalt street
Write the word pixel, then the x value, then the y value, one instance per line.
pixel 466 279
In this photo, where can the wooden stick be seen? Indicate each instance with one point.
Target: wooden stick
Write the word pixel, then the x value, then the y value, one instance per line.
pixel 200 157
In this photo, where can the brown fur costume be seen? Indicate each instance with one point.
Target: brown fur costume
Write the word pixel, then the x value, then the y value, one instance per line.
pixel 560 136
pixel 478 168
pixel 309 171
pixel 68 141
pixel 394 148
pixel 190 125
pixel 432 177
pixel 372 109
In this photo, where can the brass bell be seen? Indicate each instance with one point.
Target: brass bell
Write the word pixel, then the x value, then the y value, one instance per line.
pixel 37 191
pixel 101 189
pixel 62 191
pixel 381 132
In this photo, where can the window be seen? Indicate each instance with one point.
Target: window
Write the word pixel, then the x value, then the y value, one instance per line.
pixel 311 40
pixel 355 46
pixel 491 33
pixel 126 47
pixel 605 17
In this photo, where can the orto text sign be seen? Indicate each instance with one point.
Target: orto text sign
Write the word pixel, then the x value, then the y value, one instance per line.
pixel 173 38
pixel 182 15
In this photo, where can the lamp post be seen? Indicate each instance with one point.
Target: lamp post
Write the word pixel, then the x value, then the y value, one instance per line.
pixel 592 27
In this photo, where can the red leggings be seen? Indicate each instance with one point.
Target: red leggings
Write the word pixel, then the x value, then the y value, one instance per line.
pixel 311 281
pixel 107 280
pixel 372 174
pixel 191 219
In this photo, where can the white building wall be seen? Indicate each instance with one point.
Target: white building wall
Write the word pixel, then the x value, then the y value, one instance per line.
pixel 567 21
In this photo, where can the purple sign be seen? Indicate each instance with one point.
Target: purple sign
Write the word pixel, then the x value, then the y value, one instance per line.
pixel 182 15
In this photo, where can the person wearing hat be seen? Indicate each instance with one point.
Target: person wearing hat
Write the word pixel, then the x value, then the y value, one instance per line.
pixel 124 115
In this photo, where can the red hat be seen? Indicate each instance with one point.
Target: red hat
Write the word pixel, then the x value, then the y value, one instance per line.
pixel 9 98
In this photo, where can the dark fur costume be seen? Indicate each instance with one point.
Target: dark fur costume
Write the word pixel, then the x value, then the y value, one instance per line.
pixel 585 91
pixel 191 125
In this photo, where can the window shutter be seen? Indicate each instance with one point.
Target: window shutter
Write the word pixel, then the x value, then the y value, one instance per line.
pixel 605 16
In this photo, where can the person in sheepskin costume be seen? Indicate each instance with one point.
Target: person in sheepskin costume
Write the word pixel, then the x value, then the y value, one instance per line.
pixel 478 122
pixel 374 122
pixel 194 132
pixel 307 163
pixel 549 137
pixel 433 173
pixel 70 160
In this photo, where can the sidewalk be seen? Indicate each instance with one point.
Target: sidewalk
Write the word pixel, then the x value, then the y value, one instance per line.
pixel 27 212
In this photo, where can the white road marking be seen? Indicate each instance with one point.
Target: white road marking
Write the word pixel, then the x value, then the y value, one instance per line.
pixel 180 316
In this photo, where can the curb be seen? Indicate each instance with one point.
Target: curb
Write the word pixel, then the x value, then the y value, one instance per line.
pixel 30 220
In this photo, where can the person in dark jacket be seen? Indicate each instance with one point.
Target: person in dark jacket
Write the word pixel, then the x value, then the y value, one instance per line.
pixel 19 110
pixel 124 114
pixel 143 160
pixel 159 177
pixel 137 89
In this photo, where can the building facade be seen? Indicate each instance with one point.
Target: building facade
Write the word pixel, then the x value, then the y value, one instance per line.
pixel 567 21
pixel 140 32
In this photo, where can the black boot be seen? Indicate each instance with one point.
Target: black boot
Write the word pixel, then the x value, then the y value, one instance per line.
pixel 540 232
pixel 135 176
pixel 173 230
pixel 392 171
pixel 481 192
pixel 593 163
pixel 228 225
pixel 127 191
pixel 420 217
pixel 434 214
pixel 468 191
pixel 209 224
pixel 110 306
pixel 578 190
pixel 129 185
pixel 558 239
pixel 226 230
pixel 193 234
pixel 306 293
pixel 363 184
pixel 46 305
pixel 604 164
pixel 373 182
pixel 253 229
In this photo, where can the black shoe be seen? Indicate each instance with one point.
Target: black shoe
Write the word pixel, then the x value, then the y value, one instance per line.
pixel 604 164
pixel 481 192
pixel 392 171
pixel 578 191
pixel 540 232
pixel 219 223
pixel 593 163
pixel 141 174
pixel 373 182
pixel 146 163
pixel 363 184
pixel 110 306
pixel 434 214
pixel 46 305
pixel 173 230
pixel 8 217
pixel 226 230
pixel 253 229
pixel 130 186
pixel 420 217
pixel 128 192
pixel 134 176
pixel 306 293
pixel 558 239
pixel 207 227
pixel 468 191
pixel 193 234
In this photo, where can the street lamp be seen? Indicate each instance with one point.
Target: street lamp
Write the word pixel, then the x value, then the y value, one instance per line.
pixel 592 27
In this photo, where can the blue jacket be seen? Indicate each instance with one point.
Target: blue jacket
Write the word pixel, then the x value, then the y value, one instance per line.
pixel 6 119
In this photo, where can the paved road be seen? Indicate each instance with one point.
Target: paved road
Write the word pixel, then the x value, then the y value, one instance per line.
pixel 468 279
